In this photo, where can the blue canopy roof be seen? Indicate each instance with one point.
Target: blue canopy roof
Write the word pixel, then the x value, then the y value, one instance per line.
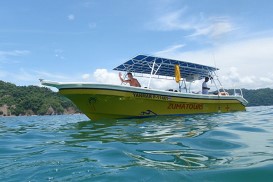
pixel 165 67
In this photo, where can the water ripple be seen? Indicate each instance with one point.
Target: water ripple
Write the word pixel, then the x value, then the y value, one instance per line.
pixel 65 148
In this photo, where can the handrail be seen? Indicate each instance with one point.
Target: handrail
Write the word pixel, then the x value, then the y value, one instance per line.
pixel 241 92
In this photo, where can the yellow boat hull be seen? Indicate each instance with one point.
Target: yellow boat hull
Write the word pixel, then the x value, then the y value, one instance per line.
pixel 105 103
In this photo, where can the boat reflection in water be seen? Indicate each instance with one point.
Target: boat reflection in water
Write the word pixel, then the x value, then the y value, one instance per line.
pixel 170 143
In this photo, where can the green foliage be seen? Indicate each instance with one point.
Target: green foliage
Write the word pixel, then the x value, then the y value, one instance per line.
pixel 259 97
pixel 26 100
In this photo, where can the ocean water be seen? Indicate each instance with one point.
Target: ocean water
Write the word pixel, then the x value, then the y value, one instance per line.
pixel 213 147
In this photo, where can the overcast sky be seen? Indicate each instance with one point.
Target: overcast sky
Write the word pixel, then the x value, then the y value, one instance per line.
pixel 83 40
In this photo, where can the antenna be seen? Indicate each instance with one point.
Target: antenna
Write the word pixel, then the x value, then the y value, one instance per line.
pixel 214 60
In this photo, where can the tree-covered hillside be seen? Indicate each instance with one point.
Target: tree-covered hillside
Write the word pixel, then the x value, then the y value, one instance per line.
pixel 32 100
pixel 259 97
pixel 256 97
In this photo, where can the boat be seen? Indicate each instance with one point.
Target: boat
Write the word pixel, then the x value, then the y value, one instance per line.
pixel 109 101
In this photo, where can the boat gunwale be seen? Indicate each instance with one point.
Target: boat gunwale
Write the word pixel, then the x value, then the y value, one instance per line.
pixel 126 88
pixel 160 92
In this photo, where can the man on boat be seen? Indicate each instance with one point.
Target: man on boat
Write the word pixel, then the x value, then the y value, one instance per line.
pixel 205 88
pixel 132 81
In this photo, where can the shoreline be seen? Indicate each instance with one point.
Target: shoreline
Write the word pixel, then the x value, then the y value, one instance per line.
pixel 41 115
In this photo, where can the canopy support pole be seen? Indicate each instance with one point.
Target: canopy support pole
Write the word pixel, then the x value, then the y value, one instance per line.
pixel 151 74
pixel 221 86
pixel 185 83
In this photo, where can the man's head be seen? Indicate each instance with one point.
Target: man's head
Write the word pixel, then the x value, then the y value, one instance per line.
pixel 206 79
pixel 129 75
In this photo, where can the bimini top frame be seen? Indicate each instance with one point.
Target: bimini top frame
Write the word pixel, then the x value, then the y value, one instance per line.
pixel 151 65
pixel 165 67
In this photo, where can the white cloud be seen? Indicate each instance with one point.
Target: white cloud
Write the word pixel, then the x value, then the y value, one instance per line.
pixel 170 49
pixel 103 76
pixel 86 76
pixel 212 27
pixel 266 80
pixel 172 21
pixel 162 84
pixel 20 77
pixel 50 76
pixel 232 75
pixel 246 63
pixel 15 53
pixel 232 78
pixel 71 17
pixel 24 76
pixel 243 64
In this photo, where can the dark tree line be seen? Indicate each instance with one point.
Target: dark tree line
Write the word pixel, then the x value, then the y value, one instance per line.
pixel 33 100
pixel 259 97
pixel 256 97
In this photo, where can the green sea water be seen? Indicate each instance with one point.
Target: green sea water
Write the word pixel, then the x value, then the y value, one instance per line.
pixel 214 147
